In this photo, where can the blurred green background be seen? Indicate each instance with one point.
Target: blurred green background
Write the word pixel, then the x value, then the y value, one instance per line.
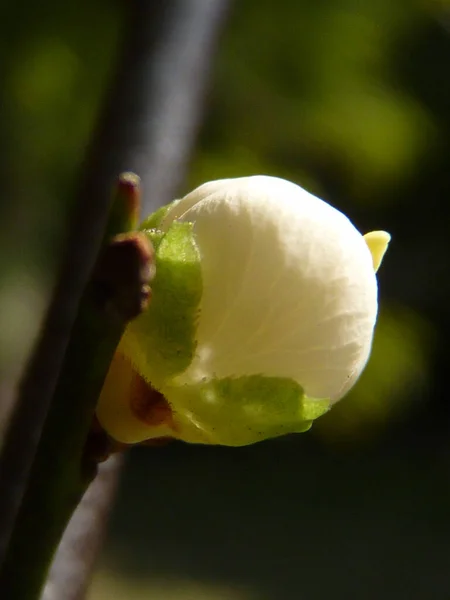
pixel 350 99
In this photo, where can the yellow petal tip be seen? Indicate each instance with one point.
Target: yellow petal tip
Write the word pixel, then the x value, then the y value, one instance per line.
pixel 377 242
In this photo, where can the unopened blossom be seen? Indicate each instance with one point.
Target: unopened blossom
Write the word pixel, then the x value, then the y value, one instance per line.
pixel 262 316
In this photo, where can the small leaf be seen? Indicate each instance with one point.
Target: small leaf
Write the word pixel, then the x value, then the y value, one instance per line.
pixel 243 410
pixel 161 343
pixel 154 220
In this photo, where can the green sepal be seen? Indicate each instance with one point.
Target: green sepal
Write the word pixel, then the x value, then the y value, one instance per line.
pixel 154 220
pixel 161 342
pixel 243 410
pixel 313 408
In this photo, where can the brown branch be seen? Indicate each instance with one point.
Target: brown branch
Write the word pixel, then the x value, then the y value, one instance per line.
pixel 70 573
pixel 66 457
pixel 177 34
pixel 168 83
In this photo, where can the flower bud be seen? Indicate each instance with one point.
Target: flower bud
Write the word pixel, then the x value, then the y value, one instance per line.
pixel 262 315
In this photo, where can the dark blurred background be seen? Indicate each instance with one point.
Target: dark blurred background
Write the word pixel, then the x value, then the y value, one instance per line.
pixel 350 99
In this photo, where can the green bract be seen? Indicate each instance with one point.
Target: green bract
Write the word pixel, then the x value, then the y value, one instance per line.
pixel 161 342
pixel 243 410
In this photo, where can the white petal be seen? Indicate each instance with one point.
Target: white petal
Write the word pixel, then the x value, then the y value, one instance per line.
pixel 289 288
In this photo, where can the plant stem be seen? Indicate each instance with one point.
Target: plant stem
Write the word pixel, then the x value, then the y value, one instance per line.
pixel 156 112
pixel 61 471
pixel 70 572
pixel 148 124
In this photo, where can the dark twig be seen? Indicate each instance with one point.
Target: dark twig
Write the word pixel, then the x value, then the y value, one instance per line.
pixel 71 570
pixel 170 74
pixel 165 73
pixel 179 35
pixel 65 462
pixel 148 125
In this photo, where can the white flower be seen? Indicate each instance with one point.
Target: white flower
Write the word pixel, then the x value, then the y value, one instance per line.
pixel 289 288
pixel 288 291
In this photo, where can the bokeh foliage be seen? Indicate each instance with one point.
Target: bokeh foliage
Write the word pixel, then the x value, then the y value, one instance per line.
pixel 350 99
